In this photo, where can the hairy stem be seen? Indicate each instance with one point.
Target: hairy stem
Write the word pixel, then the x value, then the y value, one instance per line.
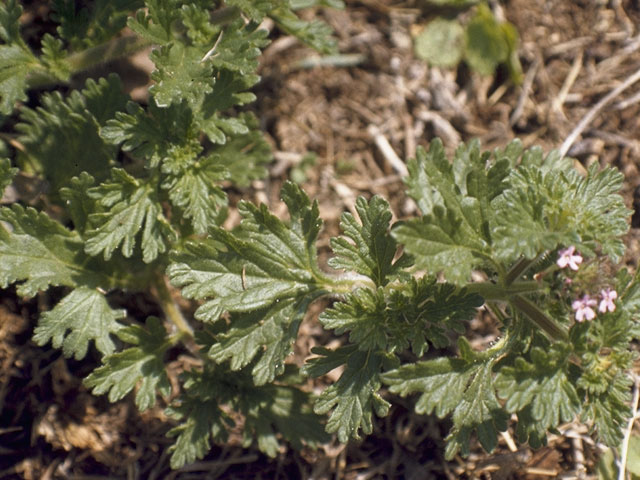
pixel 538 317
pixel 348 282
pixel 494 291
pixel 91 57
pixel 170 308
pixel 518 269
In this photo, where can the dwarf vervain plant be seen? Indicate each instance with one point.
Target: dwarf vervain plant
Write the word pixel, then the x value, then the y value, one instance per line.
pixel 134 195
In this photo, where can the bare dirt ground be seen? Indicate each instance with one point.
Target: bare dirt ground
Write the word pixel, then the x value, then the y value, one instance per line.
pixel 576 56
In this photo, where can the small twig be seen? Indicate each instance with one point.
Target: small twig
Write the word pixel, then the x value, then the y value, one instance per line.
pixel 627 102
pixel 210 53
pixel 409 137
pixel 509 441
pixel 543 472
pixel 561 48
pixel 387 151
pixel 524 93
pixel 578 454
pixel 337 61
pixel 557 103
pixel 441 125
pixel 376 182
pixel 346 195
pixel 284 160
pixel 595 110
pixel 627 434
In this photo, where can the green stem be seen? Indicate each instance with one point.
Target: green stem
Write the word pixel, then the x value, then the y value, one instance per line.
pixel 346 283
pixel 518 269
pixel 170 308
pixel 91 57
pixel 538 317
pixel 225 15
pixel 494 291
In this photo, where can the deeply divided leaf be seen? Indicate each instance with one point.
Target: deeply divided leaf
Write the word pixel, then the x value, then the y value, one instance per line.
pixel 367 247
pixel 141 364
pixel 81 316
pixel 62 136
pixel 131 206
pixel 266 333
pixel 263 262
pixel 394 320
pixel 454 235
pixel 464 389
pixel 354 397
pixel 39 252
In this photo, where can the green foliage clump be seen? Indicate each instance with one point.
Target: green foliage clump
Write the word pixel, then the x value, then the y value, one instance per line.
pixel 136 201
pixel 482 42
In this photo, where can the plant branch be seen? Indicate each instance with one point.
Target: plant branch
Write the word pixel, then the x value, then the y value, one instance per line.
pixel 91 57
pixel 518 269
pixel 538 317
pixel 495 291
pixel 347 282
pixel 170 308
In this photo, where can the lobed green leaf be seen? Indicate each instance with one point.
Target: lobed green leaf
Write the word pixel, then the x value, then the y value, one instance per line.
pixel 454 386
pixel 40 252
pixel 354 397
pixel 267 333
pixel 540 390
pixel 16 63
pixel 83 315
pixel 7 172
pixel 62 138
pixel 367 247
pixel 143 364
pixel 133 206
pixel 262 262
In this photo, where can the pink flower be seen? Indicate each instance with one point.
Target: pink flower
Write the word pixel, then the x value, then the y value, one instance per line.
pixel 566 257
pixel 583 308
pixel 607 297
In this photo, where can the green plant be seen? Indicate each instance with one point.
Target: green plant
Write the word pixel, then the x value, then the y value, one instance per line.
pixel 146 202
pixel 128 181
pixel 482 41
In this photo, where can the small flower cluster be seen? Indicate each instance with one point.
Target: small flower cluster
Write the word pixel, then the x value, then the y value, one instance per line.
pixel 584 307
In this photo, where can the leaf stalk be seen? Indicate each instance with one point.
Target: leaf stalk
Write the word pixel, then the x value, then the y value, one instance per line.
pixel 518 269
pixel 91 57
pixel 170 308
pixel 539 318
pixel 495 291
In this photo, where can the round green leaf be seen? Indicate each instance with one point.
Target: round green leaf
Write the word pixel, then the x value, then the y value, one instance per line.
pixel 440 43
pixel 485 42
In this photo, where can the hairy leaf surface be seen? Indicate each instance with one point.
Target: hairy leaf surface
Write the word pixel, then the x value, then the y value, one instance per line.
pixel 551 205
pixel 540 391
pixel 132 206
pixel 7 172
pixel 367 247
pixel 80 317
pixel 393 321
pixel 262 262
pixel 40 252
pixel 16 63
pixel 269 332
pixel 121 371
pixel 454 235
pixel 62 136
pixel 454 386
pixel 354 397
